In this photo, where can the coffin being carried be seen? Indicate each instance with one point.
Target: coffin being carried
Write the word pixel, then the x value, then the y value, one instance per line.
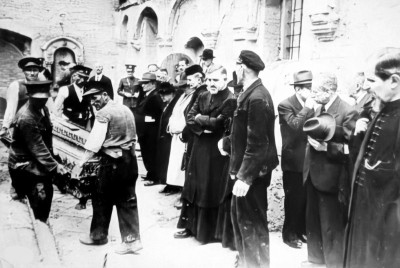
pixel 68 142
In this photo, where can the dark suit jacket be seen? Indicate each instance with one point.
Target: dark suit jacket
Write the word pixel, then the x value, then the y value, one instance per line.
pixel 152 106
pixel 328 170
pixel 107 82
pixel 292 116
pixel 366 99
pixel 253 149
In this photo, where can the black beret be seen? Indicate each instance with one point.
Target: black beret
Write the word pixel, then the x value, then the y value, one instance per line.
pixel 251 60
pixel 191 70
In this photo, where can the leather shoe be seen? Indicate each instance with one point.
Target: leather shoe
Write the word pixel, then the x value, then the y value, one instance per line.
pixel 129 248
pixel 87 240
pixel 183 234
pixel 295 243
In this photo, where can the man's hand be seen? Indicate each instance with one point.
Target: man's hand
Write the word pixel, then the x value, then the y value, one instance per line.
pixel 61 169
pixel 221 150
pixel 319 146
pixel 240 188
pixel 310 103
pixel 361 126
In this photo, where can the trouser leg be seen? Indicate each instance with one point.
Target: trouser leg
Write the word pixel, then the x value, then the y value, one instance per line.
pixel 313 225
pixel 294 206
pixel 250 224
pixel 128 218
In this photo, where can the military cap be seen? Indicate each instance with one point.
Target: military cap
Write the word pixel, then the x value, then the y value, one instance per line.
pixel 30 62
pixel 166 88
pixel 251 60
pixel 147 77
pixel 38 89
pixel 191 70
pixel 130 66
pixel 63 63
pixel 207 54
pixel 302 77
pixel 94 87
pixel 81 70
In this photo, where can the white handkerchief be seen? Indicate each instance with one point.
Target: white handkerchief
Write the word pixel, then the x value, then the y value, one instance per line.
pixel 149 119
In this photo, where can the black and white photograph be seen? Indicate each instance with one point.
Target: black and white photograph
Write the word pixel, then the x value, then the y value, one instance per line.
pixel 199 134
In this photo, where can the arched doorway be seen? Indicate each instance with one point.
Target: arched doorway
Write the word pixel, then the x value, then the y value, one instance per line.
pixel 171 61
pixel 60 71
pixel 146 33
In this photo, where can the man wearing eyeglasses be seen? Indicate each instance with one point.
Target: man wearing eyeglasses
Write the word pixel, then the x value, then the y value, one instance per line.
pixel 293 112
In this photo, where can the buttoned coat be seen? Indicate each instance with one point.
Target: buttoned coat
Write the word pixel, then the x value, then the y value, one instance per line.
pixel 292 116
pixel 204 183
pixel 252 141
pixel 328 169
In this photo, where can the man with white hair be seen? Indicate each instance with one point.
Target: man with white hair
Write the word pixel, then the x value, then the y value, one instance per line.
pixel 326 177
pixel 99 76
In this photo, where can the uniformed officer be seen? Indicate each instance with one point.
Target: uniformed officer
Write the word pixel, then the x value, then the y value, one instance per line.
pixel 31 163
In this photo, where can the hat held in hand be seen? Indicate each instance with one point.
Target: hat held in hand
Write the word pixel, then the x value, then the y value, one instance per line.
pixel 320 128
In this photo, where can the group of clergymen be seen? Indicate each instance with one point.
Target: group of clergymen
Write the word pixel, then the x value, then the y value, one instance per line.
pixel 213 142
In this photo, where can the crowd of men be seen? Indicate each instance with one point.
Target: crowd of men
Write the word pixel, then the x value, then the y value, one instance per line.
pixel 212 143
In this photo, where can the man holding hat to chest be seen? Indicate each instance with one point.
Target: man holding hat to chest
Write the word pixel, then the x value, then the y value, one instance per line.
pixel 16 92
pixel 113 138
pixel 31 163
pixel 293 112
pixel 253 157
pixel 326 173
pixel 69 101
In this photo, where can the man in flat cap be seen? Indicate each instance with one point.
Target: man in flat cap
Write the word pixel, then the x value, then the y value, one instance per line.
pixel 113 138
pixel 100 77
pixel 326 177
pixel 149 109
pixel 129 88
pixel 31 162
pixel 16 92
pixel 253 157
pixel 293 112
pixel 69 101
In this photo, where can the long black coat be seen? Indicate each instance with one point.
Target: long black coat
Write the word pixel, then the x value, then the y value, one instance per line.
pixel 291 119
pixel 204 183
pixel 373 230
pixel 252 141
pixel 164 141
pixel 151 106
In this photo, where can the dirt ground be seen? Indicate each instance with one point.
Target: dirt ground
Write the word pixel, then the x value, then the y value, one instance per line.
pixel 158 219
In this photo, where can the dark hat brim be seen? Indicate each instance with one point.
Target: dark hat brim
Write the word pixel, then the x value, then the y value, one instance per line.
pixel 93 91
pixel 30 62
pixel 305 82
pixel 146 81
pixel 330 124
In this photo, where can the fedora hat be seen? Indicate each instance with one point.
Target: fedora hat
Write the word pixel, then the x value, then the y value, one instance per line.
pixel 302 77
pixel 94 87
pixel 207 54
pixel 320 128
pixel 147 77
